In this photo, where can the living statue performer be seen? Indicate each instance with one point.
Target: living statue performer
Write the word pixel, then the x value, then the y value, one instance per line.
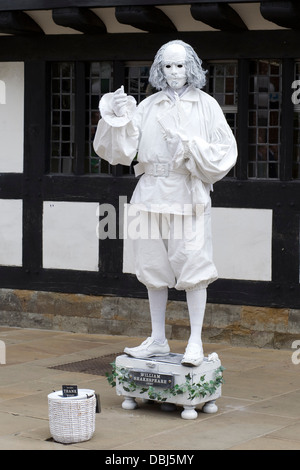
pixel 184 146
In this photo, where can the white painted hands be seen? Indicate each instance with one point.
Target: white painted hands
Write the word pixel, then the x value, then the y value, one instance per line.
pixel 119 102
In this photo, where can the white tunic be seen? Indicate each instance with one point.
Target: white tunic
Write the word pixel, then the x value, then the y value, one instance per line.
pixel 184 146
pixel 204 154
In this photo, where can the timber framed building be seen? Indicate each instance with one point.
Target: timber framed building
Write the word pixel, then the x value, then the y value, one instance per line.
pixel 57 57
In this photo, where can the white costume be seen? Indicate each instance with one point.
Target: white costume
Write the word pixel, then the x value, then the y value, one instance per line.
pixel 183 145
pixel 206 153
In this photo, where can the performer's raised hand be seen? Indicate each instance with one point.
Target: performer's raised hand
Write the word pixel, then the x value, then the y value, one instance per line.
pixel 119 102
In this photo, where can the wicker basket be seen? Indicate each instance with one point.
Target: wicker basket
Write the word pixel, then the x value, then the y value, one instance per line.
pixel 72 419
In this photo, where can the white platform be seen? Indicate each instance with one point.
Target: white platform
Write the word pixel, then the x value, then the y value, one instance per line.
pixel 162 374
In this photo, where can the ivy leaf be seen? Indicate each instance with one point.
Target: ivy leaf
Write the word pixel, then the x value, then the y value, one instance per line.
pixel 195 390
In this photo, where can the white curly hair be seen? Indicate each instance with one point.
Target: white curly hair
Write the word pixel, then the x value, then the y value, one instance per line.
pixel 194 70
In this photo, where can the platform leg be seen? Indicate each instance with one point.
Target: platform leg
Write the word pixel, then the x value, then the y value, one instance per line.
pixel 129 403
pixel 189 412
pixel 210 407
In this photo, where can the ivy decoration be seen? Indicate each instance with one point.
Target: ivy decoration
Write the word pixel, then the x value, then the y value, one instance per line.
pixel 195 390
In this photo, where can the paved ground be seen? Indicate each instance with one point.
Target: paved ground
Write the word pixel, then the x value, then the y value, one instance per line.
pixel 259 408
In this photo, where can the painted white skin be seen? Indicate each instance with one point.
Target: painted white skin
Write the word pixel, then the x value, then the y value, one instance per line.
pixel 174 66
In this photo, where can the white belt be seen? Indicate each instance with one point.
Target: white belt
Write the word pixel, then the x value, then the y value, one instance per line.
pixel 157 169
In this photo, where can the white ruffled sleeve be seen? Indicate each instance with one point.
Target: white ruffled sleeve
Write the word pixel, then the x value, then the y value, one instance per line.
pixel 116 139
pixel 210 160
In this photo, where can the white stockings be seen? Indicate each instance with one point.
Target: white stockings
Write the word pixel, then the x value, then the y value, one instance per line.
pixel 158 302
pixel 196 301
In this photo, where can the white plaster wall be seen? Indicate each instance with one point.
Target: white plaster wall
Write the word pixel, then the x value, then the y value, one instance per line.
pixel 69 235
pixel 242 241
pixel 44 19
pixel 107 15
pixel 11 234
pixel 11 117
pixel 250 14
pixel 181 17
pixel 179 14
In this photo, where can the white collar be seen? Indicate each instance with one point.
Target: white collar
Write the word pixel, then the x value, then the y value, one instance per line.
pixel 175 94
pixel 190 94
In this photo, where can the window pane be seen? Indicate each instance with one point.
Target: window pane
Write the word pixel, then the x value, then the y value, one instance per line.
pixel 222 85
pixel 136 85
pixel 136 80
pixel 62 117
pixel 98 80
pixel 265 90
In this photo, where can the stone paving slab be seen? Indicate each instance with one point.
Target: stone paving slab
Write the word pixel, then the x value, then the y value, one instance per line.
pixel 259 408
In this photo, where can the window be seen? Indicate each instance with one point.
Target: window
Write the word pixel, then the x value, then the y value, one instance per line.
pixel 98 81
pixel 62 118
pixel 68 105
pixel 136 80
pixel 222 85
pixel 75 94
pixel 76 88
pixel 68 84
pixel 136 85
pixel 265 93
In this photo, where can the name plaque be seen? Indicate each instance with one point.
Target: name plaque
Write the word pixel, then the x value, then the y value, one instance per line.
pixel 154 379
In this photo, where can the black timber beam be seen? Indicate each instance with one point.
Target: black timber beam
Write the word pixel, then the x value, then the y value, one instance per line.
pixel 146 18
pixel 18 23
pixel 212 45
pixel 218 15
pixel 283 13
pixel 50 4
pixel 80 19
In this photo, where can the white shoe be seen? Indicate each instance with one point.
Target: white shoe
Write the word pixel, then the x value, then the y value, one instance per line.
pixel 149 348
pixel 193 355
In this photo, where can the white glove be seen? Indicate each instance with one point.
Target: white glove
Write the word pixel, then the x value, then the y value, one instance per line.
pixel 119 102
pixel 173 141
pixel 117 108
pixel 177 145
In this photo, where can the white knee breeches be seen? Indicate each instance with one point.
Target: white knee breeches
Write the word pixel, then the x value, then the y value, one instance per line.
pixel 169 250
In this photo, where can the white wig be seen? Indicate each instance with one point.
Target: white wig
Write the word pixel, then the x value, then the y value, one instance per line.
pixel 194 71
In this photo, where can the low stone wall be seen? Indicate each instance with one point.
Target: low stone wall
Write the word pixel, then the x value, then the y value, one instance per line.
pixel 231 324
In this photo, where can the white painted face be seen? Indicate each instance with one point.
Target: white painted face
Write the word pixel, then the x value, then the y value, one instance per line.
pixel 174 70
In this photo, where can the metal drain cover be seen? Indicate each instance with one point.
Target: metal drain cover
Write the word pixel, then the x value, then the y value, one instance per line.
pixel 96 366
